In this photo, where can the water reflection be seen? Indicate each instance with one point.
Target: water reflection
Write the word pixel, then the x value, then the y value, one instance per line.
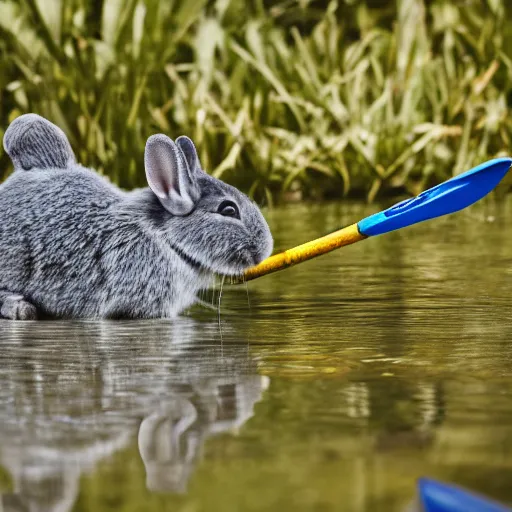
pixel 73 394
pixel 217 399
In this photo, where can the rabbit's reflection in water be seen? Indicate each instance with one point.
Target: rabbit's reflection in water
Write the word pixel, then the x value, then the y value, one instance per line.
pixel 170 439
pixel 73 394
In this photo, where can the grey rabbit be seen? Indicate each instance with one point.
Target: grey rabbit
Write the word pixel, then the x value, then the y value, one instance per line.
pixel 73 245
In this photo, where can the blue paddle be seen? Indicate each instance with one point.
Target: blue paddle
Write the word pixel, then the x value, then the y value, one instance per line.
pixel 450 196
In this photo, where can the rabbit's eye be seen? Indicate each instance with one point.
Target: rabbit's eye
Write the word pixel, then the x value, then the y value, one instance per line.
pixel 229 209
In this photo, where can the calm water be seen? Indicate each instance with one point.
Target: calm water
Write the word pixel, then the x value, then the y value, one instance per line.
pixel 330 386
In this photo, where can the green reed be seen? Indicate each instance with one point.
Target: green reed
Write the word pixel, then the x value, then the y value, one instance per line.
pixel 294 99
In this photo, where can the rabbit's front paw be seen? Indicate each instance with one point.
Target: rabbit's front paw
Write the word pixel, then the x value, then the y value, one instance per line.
pixel 14 307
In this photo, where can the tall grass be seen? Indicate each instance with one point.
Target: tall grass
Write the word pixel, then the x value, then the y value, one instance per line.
pixel 295 98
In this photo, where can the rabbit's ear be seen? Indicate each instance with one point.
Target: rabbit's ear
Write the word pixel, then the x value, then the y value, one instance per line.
pixel 31 141
pixel 169 177
pixel 189 150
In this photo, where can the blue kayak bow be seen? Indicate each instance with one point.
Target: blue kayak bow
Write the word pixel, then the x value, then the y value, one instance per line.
pixel 439 497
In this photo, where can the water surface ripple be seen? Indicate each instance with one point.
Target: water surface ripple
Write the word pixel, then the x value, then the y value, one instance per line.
pixel 330 386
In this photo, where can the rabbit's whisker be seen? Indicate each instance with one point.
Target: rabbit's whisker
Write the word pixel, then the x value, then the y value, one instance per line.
pixel 247 291
pixel 206 305
pixel 213 280
pixel 219 303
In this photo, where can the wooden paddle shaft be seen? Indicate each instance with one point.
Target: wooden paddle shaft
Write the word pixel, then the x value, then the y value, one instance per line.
pixel 307 251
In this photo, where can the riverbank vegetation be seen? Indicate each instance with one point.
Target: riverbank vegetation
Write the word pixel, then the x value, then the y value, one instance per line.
pixel 288 99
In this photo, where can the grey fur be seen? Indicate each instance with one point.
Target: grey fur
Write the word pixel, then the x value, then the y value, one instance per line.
pixel 75 246
pixel 31 141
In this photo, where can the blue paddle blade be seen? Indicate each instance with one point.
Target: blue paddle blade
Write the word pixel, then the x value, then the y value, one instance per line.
pixel 439 497
pixel 448 197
